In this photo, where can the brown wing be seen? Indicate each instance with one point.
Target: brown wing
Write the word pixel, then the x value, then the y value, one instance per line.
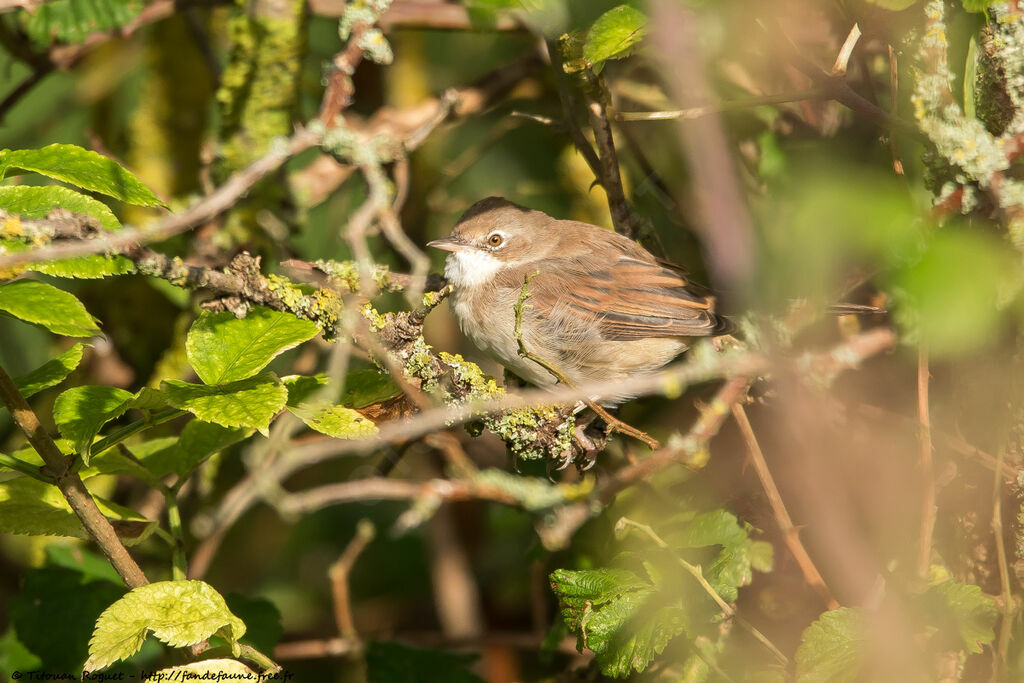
pixel 630 299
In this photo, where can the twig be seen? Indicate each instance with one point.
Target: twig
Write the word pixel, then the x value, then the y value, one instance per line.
pixel 843 58
pixel 613 423
pixel 721 107
pixel 383 488
pixel 790 533
pixel 1008 607
pixel 70 485
pixel 22 89
pixel 222 199
pixel 339 573
pixel 694 570
pixel 894 85
pixel 924 549
pixel 427 14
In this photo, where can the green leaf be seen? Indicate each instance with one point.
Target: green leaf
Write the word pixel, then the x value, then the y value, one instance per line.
pixel 894 5
pixel 389 662
pixel 89 564
pixel 55 613
pixel 251 402
pixel 199 440
pixel 368 387
pixel 613 614
pixel 179 613
pixel 14 656
pixel 301 387
pixel 223 348
pixel 34 508
pixel 979 5
pixel 614 34
pixel 44 305
pixel 962 609
pixel 30 201
pixel 81 412
pixel 262 620
pixel 51 373
pixel 92 267
pixel 337 421
pixel 82 167
pixel 72 21
pixel 208 670
pixel 832 648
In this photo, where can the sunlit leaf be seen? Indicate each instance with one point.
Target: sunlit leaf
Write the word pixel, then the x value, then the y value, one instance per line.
pixel 31 201
pixel 251 402
pixel 44 305
pixel 179 613
pixel 81 167
pixel 50 373
pixel 91 267
pixel 223 348
pixel 614 34
pixel 81 412
pixel 337 421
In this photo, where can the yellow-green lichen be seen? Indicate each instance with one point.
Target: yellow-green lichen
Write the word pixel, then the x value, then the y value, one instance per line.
pixel 419 362
pixel 469 376
pixel 346 273
pixel 319 305
pixel 378 321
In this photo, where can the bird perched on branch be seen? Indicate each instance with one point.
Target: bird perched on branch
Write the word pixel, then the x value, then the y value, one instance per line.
pixel 597 305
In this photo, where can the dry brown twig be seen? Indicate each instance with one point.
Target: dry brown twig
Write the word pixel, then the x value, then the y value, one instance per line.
pixel 339 575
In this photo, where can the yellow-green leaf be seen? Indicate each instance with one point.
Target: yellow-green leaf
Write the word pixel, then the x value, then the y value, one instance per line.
pixel 50 373
pixel 251 402
pixel 44 305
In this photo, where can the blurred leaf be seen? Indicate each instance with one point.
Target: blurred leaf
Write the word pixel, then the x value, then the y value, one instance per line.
pixel 894 5
pixel 397 663
pixel 81 167
pixel 30 201
pixel 199 440
pixel 950 297
pixel 81 412
pixel 44 305
pixel 55 612
pixel 832 648
pixel 337 421
pixel 34 508
pixel 179 613
pixel 251 402
pixel 979 5
pixel 223 348
pixel 606 610
pixel 79 559
pixel 261 617
pixel 367 387
pixel 614 34
pixel 301 387
pixel 533 493
pixel 970 613
pixel 92 267
pixel 51 373
pixel 14 656
pixel 72 21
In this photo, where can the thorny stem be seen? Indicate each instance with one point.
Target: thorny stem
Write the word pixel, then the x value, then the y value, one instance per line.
pixel 70 484
pixel 614 424
pixel 728 610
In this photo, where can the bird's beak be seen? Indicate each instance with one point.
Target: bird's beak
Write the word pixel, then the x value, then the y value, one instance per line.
pixel 450 243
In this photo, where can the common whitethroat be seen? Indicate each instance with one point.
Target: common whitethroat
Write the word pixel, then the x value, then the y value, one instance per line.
pixel 600 307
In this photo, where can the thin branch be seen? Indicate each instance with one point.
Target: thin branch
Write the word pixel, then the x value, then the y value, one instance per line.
pixel 790 533
pixel 339 574
pixel 425 14
pixel 70 485
pixel 1008 606
pixel 22 89
pixel 722 107
pixel 924 548
pixel 384 488
pixel 843 58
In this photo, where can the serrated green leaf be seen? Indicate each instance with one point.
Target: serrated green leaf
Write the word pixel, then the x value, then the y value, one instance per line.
pixel 148 398
pixel 614 34
pixel 393 662
pixel 51 373
pixel 55 613
pixel 81 167
pixel 72 21
pixel 832 648
pixel 223 348
pixel 44 305
pixel 251 402
pixel 965 610
pixel 31 201
pixel 81 412
pixel 302 387
pixel 367 387
pixel 337 421
pixel 34 508
pixel 179 613
pixel 92 267
pixel 208 670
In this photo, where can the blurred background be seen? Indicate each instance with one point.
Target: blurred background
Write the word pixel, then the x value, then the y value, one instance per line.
pixel 827 168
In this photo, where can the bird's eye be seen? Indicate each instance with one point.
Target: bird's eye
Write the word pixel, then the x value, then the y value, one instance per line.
pixel 495 240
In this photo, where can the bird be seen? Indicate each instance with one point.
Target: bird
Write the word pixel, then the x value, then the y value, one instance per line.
pixel 600 307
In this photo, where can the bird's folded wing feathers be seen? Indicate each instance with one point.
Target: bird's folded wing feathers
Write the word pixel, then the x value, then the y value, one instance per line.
pixel 629 299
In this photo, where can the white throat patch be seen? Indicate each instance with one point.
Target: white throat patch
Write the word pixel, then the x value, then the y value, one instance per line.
pixel 471 267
